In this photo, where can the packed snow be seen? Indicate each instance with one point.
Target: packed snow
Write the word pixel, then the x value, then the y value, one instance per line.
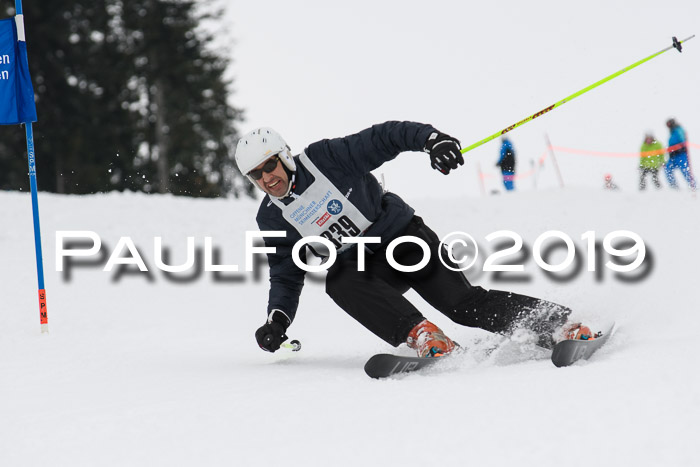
pixel 157 369
pixel 139 371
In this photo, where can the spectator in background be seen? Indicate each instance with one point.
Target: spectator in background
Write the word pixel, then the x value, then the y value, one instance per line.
pixel 507 163
pixel 651 159
pixel 678 155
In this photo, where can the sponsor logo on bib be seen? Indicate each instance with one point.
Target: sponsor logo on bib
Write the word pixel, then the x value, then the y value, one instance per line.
pixel 323 219
pixel 335 207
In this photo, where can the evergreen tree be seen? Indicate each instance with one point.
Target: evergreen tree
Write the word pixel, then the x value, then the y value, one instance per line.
pixel 75 97
pixel 129 96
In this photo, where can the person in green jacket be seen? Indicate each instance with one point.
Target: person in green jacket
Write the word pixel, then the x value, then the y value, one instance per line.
pixel 651 159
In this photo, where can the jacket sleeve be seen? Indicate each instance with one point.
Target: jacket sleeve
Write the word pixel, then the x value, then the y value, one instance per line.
pixel 360 153
pixel 286 279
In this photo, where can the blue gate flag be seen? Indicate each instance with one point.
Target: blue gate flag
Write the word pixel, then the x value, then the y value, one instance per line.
pixel 16 90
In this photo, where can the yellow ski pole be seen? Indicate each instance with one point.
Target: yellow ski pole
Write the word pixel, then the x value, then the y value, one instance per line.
pixel 676 45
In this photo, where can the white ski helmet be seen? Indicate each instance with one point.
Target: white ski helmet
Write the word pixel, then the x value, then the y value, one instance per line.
pixel 259 145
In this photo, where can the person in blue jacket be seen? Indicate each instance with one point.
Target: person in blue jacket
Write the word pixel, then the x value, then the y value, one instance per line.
pixel 328 191
pixel 678 155
pixel 507 163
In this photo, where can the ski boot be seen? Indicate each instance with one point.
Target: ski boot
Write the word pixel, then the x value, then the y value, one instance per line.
pixel 429 341
pixel 578 331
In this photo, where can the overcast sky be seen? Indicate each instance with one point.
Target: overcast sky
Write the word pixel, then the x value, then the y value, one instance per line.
pixel 320 69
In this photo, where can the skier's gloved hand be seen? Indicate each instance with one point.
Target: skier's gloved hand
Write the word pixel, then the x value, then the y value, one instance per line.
pixel 445 153
pixel 271 334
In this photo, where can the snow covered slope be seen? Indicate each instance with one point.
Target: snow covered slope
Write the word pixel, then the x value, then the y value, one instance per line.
pixel 139 371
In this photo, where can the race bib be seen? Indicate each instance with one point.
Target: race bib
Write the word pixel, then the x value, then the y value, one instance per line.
pixel 322 210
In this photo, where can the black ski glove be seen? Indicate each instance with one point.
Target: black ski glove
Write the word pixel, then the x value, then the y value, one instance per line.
pixel 271 334
pixel 444 152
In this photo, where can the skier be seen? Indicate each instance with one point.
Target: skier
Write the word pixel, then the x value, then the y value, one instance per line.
pixel 507 163
pixel 651 159
pixel 678 155
pixel 328 191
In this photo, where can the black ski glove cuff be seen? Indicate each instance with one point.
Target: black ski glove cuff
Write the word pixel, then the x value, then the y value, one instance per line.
pixel 445 152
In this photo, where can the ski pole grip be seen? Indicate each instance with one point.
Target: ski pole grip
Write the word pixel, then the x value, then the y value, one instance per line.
pixel 294 346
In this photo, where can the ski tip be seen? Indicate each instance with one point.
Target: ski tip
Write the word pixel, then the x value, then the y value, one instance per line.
pixel 610 329
pixel 372 366
pixel 569 351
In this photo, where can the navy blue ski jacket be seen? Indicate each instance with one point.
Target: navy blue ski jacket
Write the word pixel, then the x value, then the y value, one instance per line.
pixel 347 163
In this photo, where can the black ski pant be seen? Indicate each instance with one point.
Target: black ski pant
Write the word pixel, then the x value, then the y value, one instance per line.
pixel 374 297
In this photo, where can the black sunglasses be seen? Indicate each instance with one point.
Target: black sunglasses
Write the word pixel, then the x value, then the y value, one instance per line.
pixel 269 166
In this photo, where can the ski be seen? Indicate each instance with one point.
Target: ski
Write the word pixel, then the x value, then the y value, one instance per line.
pixel 568 352
pixel 565 353
pixel 384 365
